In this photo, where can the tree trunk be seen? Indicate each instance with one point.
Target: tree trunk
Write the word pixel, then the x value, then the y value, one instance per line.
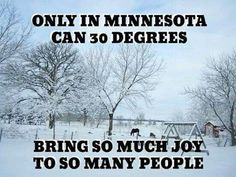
pixel 233 139
pixel 110 124
pixel 85 117
pixel 1 134
pixel 52 124
pixel 232 133
pixel 9 118
pixel 98 123
pixel 54 130
pixel 85 120
pixel 50 121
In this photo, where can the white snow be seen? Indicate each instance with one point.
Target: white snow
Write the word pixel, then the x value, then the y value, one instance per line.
pixel 16 155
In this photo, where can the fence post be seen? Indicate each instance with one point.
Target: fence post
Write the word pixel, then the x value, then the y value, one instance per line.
pixel 36 134
pixel 64 136
pixel 72 134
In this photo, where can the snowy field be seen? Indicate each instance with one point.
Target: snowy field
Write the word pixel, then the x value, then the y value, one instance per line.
pixel 16 153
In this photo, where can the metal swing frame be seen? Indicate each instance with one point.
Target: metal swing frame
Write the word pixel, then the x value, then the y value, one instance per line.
pixel 171 132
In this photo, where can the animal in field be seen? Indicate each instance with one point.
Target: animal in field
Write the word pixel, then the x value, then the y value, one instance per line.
pixel 133 131
pixel 152 135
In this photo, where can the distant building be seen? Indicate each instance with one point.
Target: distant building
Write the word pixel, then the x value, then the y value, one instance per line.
pixel 213 128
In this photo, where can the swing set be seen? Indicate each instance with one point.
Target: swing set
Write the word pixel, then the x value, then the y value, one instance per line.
pixel 171 132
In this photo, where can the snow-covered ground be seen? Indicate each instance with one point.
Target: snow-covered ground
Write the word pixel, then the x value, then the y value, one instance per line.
pixel 16 154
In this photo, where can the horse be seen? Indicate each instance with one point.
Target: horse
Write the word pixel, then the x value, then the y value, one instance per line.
pixel 152 135
pixel 133 131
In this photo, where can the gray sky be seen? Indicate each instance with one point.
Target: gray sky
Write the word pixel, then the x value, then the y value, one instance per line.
pixel 184 63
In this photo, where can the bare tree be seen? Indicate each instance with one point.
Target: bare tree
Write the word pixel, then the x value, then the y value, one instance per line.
pixel 140 118
pixel 178 116
pixel 13 34
pixel 123 75
pixel 85 116
pixel 199 112
pixel 49 74
pixel 218 91
pixel 98 112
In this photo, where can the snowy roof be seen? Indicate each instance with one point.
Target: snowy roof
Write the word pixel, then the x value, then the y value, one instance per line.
pixel 214 122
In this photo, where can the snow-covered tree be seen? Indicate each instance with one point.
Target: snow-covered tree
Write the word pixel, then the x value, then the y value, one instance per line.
pixel 122 75
pixel 13 35
pixel 140 118
pixel 199 112
pixel 49 75
pixel 218 91
pixel 13 39
pixel 98 112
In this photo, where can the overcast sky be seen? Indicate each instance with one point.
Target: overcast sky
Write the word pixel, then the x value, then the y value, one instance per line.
pixel 184 63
